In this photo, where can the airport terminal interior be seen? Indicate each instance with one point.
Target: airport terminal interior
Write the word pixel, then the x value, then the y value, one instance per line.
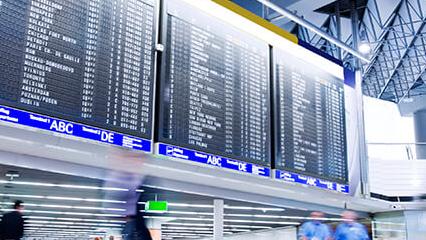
pixel 213 119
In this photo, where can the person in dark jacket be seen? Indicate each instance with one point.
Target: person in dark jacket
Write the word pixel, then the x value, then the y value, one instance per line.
pixel 135 228
pixel 12 223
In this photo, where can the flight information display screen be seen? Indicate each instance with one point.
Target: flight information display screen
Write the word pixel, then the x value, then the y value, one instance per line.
pixel 214 87
pixel 310 119
pixel 87 61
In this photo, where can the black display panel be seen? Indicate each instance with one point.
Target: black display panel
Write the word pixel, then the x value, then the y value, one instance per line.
pixel 214 87
pixel 87 61
pixel 310 119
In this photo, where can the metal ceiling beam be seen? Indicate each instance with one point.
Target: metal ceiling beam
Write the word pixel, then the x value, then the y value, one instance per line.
pixel 420 75
pixel 293 17
pixel 401 60
pixel 385 29
pixel 396 61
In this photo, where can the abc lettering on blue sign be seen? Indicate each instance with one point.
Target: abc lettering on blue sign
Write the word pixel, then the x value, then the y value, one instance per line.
pixel 215 161
pixel 62 127
pixel 24 118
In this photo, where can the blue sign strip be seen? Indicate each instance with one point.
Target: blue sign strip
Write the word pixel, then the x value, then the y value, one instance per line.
pixel 73 129
pixel 209 159
pixel 311 181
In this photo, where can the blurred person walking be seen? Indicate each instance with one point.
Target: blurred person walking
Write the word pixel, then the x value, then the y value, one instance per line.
pixel 12 223
pixel 315 229
pixel 135 229
pixel 349 229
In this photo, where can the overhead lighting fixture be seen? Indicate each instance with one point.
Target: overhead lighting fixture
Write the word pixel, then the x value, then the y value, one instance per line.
pixel 240 215
pixel 74 219
pixel 73 223
pixel 243 215
pixel 190 231
pixel 60 226
pixel 38 229
pixel 183 228
pixel 67 213
pixel 67 207
pixel 255 208
pixel 202 228
pixel 211 225
pixel 186 205
pixel 38 184
pixel 364 48
pixel 280 217
pixel 61 198
pixel 190 205
pixel 225 220
pixel 181 213
pixel 260 222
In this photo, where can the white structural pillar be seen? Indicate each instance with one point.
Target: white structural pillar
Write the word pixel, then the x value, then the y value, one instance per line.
pixel 416 225
pixel 420 129
pixel 218 219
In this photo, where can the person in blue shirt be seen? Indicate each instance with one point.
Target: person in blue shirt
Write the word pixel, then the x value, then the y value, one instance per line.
pixel 315 229
pixel 349 229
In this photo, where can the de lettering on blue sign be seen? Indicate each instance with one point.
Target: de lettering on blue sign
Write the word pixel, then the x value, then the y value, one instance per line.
pixel 311 181
pixel 73 129
pixel 209 159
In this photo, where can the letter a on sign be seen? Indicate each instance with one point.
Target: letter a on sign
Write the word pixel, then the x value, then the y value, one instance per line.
pixel 62 127
pixel 216 161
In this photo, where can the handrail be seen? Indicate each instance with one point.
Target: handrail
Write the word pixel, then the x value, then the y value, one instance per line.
pixel 406 150
pixel 394 143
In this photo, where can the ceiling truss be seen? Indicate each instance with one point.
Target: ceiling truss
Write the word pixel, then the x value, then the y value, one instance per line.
pixel 396 34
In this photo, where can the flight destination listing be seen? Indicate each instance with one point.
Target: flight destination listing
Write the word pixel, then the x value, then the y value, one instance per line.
pixel 310 120
pixel 87 61
pixel 215 88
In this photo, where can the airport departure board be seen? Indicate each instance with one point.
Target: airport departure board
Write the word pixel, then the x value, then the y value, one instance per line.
pixel 214 87
pixel 310 118
pixel 88 61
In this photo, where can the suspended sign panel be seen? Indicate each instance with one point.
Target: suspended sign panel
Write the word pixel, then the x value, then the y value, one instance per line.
pixel 310 119
pixel 86 61
pixel 214 87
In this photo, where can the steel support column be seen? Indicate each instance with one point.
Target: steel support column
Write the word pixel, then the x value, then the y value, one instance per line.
pixel 420 132
pixel 355 31
pixel 218 219
pixel 338 29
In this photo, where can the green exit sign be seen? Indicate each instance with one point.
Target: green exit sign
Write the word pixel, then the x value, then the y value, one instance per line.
pixel 156 206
